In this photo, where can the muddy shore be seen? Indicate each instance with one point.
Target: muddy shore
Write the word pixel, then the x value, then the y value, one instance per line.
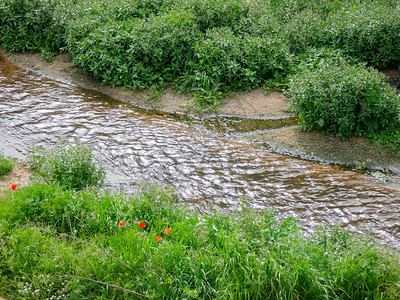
pixel 356 153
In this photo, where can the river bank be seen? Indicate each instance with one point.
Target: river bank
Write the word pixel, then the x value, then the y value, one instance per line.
pixel 356 152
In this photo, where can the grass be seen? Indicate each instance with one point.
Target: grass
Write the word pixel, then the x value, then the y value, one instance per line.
pixel 90 243
pixel 56 242
pixel 6 166
pixel 71 165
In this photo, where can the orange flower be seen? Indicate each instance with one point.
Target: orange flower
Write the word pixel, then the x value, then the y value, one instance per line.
pixel 121 224
pixel 158 238
pixel 13 187
pixel 142 224
pixel 167 230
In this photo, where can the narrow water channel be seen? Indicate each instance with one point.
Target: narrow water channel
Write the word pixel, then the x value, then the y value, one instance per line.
pixel 207 172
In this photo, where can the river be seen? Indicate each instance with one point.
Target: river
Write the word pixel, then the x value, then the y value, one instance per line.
pixel 207 171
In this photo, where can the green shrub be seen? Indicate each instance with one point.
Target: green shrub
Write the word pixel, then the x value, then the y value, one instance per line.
pixel 312 58
pixel 370 33
pixel 259 21
pixel 29 25
pixel 343 100
pixel 215 13
pixel 87 16
pixel 303 31
pixel 69 165
pixel 140 53
pixel 367 32
pixel 6 165
pixel 224 61
pixel 246 255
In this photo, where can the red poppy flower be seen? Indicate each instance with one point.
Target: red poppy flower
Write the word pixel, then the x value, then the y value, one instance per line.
pixel 158 238
pixel 167 230
pixel 142 224
pixel 13 187
pixel 121 223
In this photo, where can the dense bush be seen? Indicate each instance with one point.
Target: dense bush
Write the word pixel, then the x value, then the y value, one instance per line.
pixel 369 33
pixel 232 62
pixel 343 100
pixel 215 13
pixel 303 31
pixel 140 53
pixel 259 21
pixel 69 165
pixel 29 25
pixel 87 15
pixel 210 47
pixel 245 255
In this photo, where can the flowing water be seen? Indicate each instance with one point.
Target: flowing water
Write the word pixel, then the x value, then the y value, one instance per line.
pixel 206 171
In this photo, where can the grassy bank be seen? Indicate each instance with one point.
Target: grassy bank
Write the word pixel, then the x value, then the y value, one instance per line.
pixel 92 244
pixel 88 243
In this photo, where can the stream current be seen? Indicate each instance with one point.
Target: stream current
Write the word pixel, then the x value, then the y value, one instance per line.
pixel 206 171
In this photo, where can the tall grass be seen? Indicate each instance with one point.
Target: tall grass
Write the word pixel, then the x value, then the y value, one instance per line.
pixel 6 165
pixel 55 242
pixel 71 165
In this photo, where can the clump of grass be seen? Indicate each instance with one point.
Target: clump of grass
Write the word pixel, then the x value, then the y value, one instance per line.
pixel 92 244
pixel 6 165
pixel 70 165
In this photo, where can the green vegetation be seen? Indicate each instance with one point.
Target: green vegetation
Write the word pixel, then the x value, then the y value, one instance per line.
pixel 146 43
pixel 70 165
pixel 78 244
pixel 343 100
pixel 6 165
pixel 57 242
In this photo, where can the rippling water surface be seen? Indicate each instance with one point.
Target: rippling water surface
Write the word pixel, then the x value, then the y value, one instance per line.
pixel 205 171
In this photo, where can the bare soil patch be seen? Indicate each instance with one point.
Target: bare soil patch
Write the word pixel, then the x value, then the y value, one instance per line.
pixel 20 175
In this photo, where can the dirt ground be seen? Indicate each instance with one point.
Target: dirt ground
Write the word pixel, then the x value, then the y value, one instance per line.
pixel 257 104
pixel 20 175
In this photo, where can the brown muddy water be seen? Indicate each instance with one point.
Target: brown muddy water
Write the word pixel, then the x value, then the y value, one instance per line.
pixel 206 170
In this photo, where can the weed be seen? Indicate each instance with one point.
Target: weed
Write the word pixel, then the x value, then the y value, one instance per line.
pixel 97 244
pixel 6 165
pixel 70 165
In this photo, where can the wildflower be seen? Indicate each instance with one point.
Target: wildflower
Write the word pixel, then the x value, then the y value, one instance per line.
pixel 142 224
pixel 13 187
pixel 158 238
pixel 167 230
pixel 121 224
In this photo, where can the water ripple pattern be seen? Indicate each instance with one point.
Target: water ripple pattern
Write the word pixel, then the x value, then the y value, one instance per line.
pixel 207 172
